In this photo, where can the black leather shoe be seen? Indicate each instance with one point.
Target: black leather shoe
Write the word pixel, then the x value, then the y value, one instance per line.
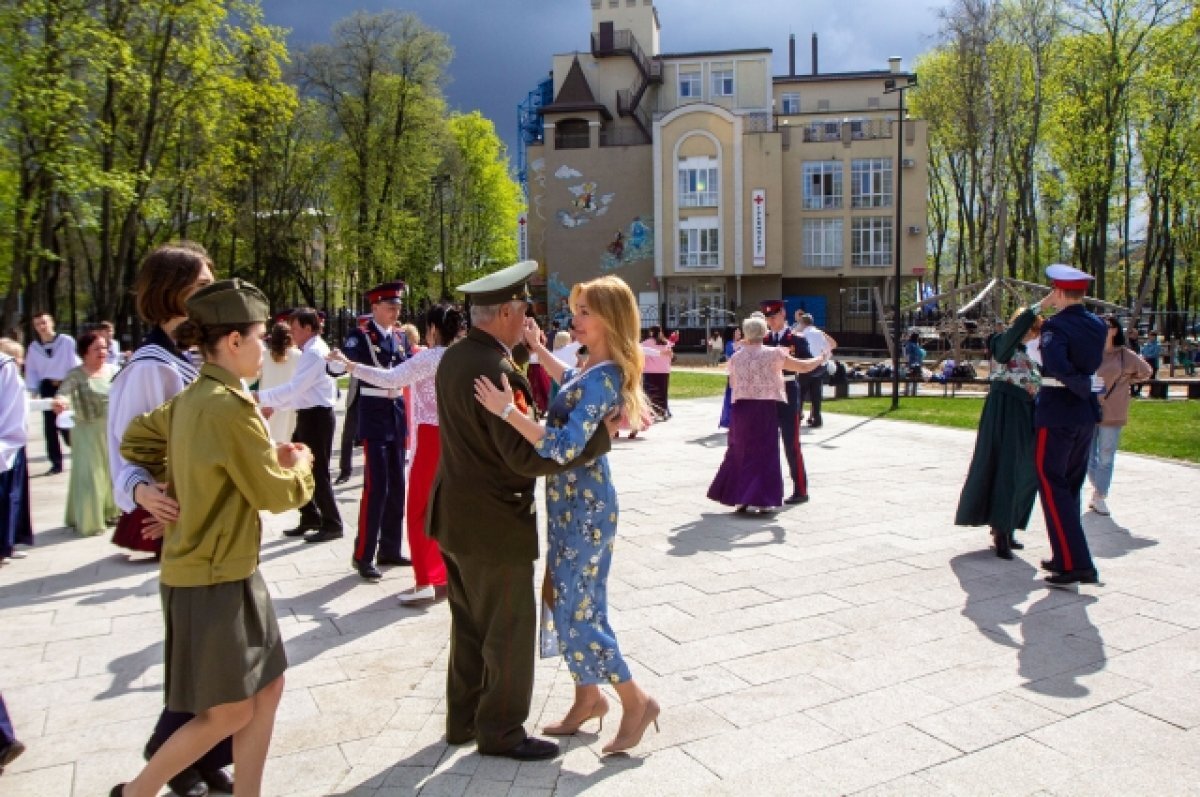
pixel 53 472
pixel 1014 543
pixel 796 498
pixel 342 478
pixel 402 561
pixel 218 781
pixel 531 748
pixel 1003 545
pixel 457 739
pixel 1068 577
pixel 1049 566
pixel 188 783
pixel 300 531
pixel 815 424
pixel 9 753
pixel 368 571
pixel 324 535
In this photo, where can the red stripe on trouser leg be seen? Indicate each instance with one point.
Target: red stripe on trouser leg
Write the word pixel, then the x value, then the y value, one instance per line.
pixel 801 471
pixel 1056 526
pixel 360 545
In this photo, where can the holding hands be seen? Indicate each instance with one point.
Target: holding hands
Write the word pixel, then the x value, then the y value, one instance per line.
pixel 291 455
pixel 154 499
pixel 335 357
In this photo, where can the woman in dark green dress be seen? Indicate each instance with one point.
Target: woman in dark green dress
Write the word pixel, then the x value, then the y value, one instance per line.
pixel 1002 482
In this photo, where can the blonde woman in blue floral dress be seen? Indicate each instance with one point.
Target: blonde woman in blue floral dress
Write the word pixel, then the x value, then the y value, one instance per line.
pixel 582 503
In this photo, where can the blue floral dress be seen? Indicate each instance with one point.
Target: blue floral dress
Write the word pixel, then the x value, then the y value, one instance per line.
pixel 581 506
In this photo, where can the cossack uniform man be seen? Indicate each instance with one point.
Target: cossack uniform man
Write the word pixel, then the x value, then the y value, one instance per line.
pixel 1065 417
pixel 382 428
pixel 780 334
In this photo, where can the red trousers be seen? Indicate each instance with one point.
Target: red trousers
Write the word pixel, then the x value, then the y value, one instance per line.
pixel 428 567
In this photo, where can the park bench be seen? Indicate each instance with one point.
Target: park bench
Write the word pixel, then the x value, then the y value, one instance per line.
pixel 1161 388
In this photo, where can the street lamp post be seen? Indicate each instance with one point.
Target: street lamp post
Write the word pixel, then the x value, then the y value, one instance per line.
pixel 890 86
pixel 439 182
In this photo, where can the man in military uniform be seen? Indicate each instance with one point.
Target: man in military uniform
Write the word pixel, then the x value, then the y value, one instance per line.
pixel 789 411
pixel 382 426
pixel 481 512
pixel 1065 417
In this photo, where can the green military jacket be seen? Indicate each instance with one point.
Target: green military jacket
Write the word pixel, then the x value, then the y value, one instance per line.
pixel 482 502
pixel 212 446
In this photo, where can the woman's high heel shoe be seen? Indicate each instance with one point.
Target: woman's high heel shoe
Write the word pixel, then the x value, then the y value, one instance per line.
pixel 626 742
pixel 569 727
pixel 117 791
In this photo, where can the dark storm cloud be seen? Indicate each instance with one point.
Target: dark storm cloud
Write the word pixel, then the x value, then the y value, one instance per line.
pixel 502 48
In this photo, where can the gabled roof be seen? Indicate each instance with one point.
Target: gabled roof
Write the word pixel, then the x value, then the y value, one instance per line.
pixel 575 95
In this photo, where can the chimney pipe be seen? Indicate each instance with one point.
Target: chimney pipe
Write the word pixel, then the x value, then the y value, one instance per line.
pixel 814 53
pixel 894 64
pixel 791 55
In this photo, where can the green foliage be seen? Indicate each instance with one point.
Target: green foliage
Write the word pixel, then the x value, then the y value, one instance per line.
pixel 134 122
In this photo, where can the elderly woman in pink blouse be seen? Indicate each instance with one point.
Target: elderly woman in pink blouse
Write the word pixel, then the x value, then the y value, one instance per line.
pixel 443 325
pixel 750 477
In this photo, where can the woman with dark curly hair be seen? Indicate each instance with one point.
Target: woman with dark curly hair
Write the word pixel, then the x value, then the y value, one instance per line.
pixel 278 368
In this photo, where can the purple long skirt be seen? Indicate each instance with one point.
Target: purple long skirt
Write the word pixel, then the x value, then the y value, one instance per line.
pixel 750 474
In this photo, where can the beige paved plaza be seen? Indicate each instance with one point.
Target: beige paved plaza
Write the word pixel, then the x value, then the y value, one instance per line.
pixel 859 644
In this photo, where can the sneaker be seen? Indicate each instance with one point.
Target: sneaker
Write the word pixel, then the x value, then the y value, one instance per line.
pixel 425 594
pixel 1098 506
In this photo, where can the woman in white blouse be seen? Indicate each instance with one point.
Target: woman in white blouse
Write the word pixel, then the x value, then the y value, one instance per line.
pixel 443 324
pixel 278 368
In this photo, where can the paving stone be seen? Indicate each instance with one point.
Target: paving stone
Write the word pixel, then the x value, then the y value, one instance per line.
pixel 825 650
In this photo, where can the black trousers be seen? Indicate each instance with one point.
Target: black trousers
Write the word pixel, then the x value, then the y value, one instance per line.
pixel 7 734
pixel 789 435
pixel 314 428
pixel 169 721
pixel 1061 456
pixel 381 512
pixel 493 624
pixel 811 390
pixel 48 388
pixel 349 439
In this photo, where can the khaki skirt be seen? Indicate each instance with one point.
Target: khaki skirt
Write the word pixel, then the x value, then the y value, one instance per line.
pixel 223 644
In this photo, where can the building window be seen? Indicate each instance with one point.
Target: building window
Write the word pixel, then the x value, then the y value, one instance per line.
pixel 822 185
pixel 698 183
pixel 822 245
pixel 722 82
pixel 791 104
pixel 871 183
pixel 871 241
pixel 572 134
pixel 689 85
pixel 699 243
pixel 858 300
pixel 692 304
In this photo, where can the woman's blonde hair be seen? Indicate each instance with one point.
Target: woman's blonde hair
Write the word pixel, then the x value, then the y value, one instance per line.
pixel 611 301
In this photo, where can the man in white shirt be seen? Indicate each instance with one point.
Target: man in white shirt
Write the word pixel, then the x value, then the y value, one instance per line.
pixel 47 361
pixel 15 526
pixel 311 392
pixel 812 383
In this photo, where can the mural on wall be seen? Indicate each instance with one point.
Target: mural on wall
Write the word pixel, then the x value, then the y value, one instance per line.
pixel 629 245
pixel 587 202
pixel 556 294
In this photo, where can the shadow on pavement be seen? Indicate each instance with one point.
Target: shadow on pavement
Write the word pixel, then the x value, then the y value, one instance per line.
pixel 714 440
pixel 828 441
pixel 715 533
pixel 426 771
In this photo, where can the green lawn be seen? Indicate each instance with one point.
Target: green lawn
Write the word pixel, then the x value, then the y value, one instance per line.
pixel 1160 428
pixel 687 385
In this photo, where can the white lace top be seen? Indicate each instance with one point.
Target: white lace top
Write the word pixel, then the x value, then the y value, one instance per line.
pixel 756 372
pixel 417 371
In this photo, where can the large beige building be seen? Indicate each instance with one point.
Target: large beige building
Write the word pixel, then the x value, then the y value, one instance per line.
pixel 706 182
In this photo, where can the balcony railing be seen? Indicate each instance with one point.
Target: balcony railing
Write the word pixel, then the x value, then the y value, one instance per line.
pixel 857 130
